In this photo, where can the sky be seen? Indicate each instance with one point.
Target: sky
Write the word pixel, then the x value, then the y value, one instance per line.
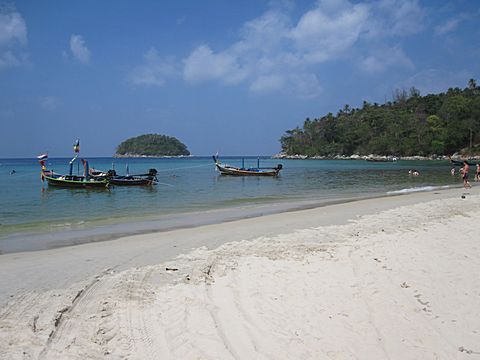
pixel 221 76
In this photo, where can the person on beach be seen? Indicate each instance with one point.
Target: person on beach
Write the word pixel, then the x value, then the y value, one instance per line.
pixel 477 173
pixel 465 170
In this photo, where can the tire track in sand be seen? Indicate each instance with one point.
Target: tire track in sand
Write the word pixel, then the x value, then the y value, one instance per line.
pixel 63 335
pixel 142 338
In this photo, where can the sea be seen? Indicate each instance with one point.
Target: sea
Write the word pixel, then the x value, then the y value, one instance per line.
pixel 190 192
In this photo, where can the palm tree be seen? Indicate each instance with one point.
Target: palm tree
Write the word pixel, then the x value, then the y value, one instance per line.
pixel 472 84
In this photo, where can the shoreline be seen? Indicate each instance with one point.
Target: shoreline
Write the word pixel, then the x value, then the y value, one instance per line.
pixel 93 231
pixel 376 157
pixel 215 234
pixel 310 284
pixel 16 242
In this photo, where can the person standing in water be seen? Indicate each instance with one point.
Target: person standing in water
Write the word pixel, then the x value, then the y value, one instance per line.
pixel 465 170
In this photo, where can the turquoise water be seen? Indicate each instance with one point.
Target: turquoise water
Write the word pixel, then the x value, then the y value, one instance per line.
pixel 191 185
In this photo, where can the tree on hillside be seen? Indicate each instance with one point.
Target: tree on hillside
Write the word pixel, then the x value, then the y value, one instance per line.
pixel 413 124
pixel 152 145
pixel 472 84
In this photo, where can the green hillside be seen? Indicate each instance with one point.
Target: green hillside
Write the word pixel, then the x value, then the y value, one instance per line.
pixel 152 145
pixel 411 124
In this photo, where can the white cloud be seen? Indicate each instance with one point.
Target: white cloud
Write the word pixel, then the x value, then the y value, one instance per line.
pixel 203 64
pixel 79 49
pixel 10 59
pixel 13 39
pixel 305 86
pixel 266 33
pixel 448 26
pixel 384 58
pixel 396 18
pixel 49 102
pixel 181 20
pixel 300 85
pixel 12 29
pixel 322 35
pixel 258 57
pixel 267 83
pixel 406 17
pixel 276 53
pixel 154 71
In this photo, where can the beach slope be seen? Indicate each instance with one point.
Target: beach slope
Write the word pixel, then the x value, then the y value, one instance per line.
pixel 391 279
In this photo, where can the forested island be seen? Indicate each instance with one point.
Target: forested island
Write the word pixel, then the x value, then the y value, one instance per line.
pixel 152 145
pixel 411 124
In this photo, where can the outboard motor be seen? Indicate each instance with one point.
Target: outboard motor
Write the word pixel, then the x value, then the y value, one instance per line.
pixel 152 174
pixel 279 167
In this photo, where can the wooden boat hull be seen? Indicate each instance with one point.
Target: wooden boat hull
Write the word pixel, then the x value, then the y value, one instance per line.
pixel 125 180
pixel 233 171
pixel 380 160
pixel 81 184
pixel 130 182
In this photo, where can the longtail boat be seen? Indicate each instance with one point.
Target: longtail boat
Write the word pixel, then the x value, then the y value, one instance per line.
pixel 225 169
pixel 70 180
pixel 149 178
pixel 382 159
pixel 73 181
pixel 470 162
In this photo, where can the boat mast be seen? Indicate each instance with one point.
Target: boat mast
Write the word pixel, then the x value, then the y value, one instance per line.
pixel 76 149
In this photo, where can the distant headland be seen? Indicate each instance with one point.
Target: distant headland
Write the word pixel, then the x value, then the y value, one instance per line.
pixel 411 126
pixel 151 145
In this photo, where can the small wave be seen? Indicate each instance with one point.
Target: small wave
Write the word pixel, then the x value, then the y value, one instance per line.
pixel 61 225
pixel 68 224
pixel 417 189
pixel 252 200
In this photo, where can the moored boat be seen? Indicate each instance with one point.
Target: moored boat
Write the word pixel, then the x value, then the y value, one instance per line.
pixel 225 169
pixel 71 180
pixel 149 178
pixel 382 159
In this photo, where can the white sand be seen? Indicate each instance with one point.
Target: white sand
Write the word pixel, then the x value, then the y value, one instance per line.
pixel 402 281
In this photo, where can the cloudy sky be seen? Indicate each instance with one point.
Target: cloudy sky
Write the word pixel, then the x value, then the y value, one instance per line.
pixel 227 76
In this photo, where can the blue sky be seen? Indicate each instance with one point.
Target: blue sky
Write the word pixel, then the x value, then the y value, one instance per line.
pixel 227 76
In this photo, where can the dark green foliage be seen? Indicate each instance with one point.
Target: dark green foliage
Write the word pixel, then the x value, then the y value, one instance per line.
pixel 152 145
pixel 435 124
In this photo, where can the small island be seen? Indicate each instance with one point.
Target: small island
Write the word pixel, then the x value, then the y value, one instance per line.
pixel 151 145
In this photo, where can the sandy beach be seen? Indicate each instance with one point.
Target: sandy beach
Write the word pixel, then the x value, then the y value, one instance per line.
pixel 388 278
